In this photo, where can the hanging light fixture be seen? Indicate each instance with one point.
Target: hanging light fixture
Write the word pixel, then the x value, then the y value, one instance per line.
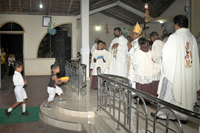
pixel 98 27
pixel 161 21
pixel 41 6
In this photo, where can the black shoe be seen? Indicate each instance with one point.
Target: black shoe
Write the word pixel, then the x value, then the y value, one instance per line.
pixel 153 114
pixel 140 102
pixel 183 122
pixel 7 113
pixel 25 113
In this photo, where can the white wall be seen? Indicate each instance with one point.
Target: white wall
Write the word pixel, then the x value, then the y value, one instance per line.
pixel 34 33
pixel 195 20
pixel 102 20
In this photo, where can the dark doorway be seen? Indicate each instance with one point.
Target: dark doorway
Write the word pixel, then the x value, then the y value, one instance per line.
pixel 13 44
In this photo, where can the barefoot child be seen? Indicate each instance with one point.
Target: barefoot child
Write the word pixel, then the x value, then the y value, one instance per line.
pixel 52 88
pixel 20 92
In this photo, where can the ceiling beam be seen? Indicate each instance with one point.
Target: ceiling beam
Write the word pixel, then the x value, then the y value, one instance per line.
pixel 121 15
pixel 60 7
pixel 69 6
pixel 166 2
pixel 102 4
pixel 118 18
pixel 50 6
pixel 94 7
pixel 37 13
pixel 30 5
pixel 119 3
pixel 95 2
pixel 20 6
pixel 128 13
pixel 10 5
pixel 99 9
pixel 131 9
pixel 153 8
pixel 0 7
pixel 36 8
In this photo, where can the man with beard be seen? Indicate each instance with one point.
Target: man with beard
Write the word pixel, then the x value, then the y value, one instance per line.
pixel 117 49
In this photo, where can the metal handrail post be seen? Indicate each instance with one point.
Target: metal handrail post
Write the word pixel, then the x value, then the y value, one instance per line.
pixel 98 89
pixel 79 77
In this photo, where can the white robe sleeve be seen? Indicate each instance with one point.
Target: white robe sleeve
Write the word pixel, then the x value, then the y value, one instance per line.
pixel 135 61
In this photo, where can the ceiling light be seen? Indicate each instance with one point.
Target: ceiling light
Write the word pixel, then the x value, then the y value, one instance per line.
pixel 41 5
pixel 97 28
pixel 161 22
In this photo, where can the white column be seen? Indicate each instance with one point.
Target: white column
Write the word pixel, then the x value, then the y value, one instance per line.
pixel 85 34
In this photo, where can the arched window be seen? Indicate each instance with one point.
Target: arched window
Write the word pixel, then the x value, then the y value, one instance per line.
pixel 11 26
pixel 47 46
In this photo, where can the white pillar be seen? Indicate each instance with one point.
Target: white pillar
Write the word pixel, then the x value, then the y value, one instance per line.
pixel 85 34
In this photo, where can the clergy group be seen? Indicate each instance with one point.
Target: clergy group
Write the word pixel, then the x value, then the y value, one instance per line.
pixel 169 71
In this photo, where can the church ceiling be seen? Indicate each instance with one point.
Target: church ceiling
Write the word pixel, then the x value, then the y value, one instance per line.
pixel 72 8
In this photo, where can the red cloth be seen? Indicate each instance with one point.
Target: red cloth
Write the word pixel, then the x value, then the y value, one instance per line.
pixel 94 83
pixel 150 88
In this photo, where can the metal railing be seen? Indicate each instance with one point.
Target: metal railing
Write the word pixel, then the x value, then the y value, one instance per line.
pixel 115 96
pixel 76 73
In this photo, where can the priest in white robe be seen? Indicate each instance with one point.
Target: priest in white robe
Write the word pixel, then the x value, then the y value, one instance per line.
pixel 132 48
pixel 180 81
pixel 117 49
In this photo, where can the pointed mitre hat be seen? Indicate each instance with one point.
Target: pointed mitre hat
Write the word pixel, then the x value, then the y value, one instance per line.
pixel 137 29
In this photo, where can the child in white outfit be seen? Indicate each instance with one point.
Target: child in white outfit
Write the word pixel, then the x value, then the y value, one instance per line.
pixel 20 92
pixel 52 88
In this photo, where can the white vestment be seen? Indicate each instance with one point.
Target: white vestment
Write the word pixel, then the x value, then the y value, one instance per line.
pixel 157 51
pixel 118 57
pixel 129 63
pixel 99 62
pixel 94 47
pixel 180 80
pixel 146 71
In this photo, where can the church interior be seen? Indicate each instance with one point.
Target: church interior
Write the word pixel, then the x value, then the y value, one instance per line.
pixel 42 32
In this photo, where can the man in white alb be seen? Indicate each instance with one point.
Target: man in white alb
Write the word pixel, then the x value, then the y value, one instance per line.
pixel 180 81
pixel 132 48
pixel 117 49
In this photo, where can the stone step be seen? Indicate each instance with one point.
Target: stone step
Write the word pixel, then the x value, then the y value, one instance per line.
pixel 89 125
pixel 74 107
pixel 69 88
pixel 54 118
